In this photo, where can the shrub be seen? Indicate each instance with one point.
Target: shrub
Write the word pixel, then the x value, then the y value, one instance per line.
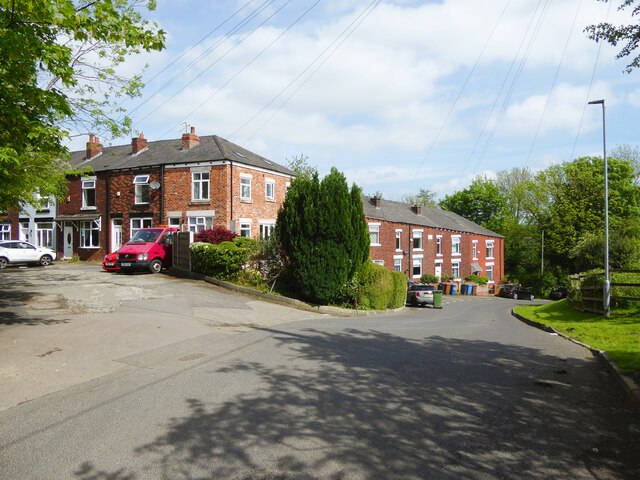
pixel 379 288
pixel 250 278
pixel 219 261
pixel 215 235
pixel 479 279
pixel 428 278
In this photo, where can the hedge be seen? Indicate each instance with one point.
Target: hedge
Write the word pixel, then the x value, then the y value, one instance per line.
pixel 380 289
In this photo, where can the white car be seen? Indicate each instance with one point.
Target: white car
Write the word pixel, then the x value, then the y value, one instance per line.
pixel 17 251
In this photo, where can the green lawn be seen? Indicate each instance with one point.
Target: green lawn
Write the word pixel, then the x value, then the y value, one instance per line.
pixel 618 335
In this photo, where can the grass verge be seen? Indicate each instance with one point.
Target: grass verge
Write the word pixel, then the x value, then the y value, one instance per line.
pixel 618 335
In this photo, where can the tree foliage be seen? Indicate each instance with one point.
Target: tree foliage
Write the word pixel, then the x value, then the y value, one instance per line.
pixel 424 198
pixel 58 72
pixel 324 234
pixel 627 35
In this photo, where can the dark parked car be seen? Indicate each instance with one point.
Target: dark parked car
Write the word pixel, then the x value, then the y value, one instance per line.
pixel 515 291
pixel 559 293
pixel 420 294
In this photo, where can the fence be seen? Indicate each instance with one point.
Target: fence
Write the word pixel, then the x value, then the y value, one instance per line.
pixel 586 292
pixel 181 257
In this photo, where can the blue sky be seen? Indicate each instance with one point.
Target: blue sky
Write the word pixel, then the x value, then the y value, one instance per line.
pixel 398 95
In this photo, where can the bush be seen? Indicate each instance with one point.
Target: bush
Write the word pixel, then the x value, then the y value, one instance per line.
pixel 479 279
pixel 380 289
pixel 219 261
pixel 428 278
pixel 250 278
pixel 215 235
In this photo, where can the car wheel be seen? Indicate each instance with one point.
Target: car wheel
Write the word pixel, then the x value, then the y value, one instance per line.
pixel 155 266
pixel 3 262
pixel 531 297
pixel 515 296
pixel 45 260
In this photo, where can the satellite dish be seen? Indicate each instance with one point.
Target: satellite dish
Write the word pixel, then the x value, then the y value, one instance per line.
pixel 154 185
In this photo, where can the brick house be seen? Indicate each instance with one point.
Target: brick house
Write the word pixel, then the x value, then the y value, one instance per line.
pixel 419 240
pixel 191 183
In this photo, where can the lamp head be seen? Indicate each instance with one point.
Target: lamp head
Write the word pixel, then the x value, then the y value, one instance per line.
pixel 597 102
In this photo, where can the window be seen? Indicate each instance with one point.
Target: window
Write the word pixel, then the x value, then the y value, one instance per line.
pixel 266 230
pixel 455 269
pixel 44 234
pixel 270 190
pixel 245 188
pixel 439 245
pixel 374 233
pixel 89 235
pixel 200 186
pixel 398 240
pixel 417 240
pixel 489 272
pixel 89 193
pixel 5 232
pixel 489 248
pixel 24 230
pixel 197 224
pixel 138 223
pixel 378 262
pixel 417 267
pixel 397 264
pixel 141 185
pixel 475 249
pixel 245 229
pixel 455 245
pixel 174 222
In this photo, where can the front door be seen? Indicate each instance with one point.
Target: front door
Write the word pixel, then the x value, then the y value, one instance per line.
pixel 438 271
pixel 116 234
pixel 68 240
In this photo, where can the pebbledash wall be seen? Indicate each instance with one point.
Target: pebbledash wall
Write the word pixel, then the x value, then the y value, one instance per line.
pixel 190 183
pixel 418 241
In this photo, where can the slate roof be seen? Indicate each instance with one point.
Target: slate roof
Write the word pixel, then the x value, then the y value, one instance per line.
pixel 169 152
pixel 428 217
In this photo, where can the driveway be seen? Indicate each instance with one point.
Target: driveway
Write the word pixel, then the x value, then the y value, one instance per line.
pixel 69 323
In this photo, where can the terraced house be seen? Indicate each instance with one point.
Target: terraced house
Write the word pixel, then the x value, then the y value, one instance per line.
pixel 418 240
pixel 191 183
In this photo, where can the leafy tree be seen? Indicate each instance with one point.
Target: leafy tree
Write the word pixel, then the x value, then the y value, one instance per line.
pixel 58 71
pixel 323 233
pixel 481 202
pixel 424 198
pixel 628 35
pixel 300 164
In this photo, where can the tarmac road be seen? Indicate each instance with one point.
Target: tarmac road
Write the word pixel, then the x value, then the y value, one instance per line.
pixel 466 392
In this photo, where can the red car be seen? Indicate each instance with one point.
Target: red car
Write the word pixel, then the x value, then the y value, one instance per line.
pixel 109 263
pixel 150 250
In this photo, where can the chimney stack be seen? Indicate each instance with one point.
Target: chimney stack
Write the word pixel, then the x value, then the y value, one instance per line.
pixel 416 209
pixel 138 144
pixel 190 140
pixel 376 201
pixel 93 147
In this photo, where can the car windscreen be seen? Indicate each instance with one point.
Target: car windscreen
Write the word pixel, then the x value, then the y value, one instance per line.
pixel 422 288
pixel 146 236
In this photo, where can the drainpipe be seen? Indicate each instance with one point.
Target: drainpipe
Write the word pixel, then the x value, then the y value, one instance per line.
pixel 231 194
pixel 107 215
pixel 161 194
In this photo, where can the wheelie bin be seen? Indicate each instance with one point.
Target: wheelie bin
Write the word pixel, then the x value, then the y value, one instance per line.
pixel 437 299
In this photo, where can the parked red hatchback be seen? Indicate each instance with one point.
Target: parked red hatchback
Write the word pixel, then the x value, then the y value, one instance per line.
pixel 150 249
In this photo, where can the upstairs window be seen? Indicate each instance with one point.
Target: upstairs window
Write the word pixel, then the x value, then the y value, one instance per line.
pixel 398 240
pixel 200 182
pixel 455 245
pixel 374 234
pixel 270 190
pixel 417 240
pixel 141 185
pixel 439 245
pixel 475 250
pixel 245 188
pixel 89 193
pixel 490 248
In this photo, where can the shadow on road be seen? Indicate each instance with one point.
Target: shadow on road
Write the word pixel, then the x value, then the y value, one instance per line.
pixel 372 405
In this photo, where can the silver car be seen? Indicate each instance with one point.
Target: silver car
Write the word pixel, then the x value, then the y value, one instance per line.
pixel 420 294
pixel 17 251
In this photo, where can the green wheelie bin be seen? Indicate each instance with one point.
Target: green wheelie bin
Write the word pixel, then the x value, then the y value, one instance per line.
pixel 437 299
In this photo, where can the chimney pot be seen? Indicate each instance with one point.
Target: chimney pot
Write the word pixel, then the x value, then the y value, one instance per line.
pixel 138 144
pixel 376 201
pixel 416 209
pixel 190 140
pixel 93 147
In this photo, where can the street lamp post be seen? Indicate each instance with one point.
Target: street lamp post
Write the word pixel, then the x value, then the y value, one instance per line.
pixel 606 294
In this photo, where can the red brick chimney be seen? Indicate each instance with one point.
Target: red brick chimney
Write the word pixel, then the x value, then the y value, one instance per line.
pixel 138 144
pixel 416 209
pixel 376 201
pixel 190 139
pixel 93 146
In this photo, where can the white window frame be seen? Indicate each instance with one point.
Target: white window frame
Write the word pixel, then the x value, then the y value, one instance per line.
pixel 438 245
pixel 374 234
pixel 397 263
pixel 141 222
pixel 490 248
pixel 174 221
pixel 88 235
pixel 244 229
pixel 245 187
pixel 200 186
pixel 474 244
pixel 5 231
pixel 456 245
pixel 270 189
pixel 455 265
pixel 199 223
pixel 398 240
pixel 266 229
pixel 141 185
pixel 378 262
pixel 44 235
pixel 416 261
pixel 415 235
pixel 489 272
pixel 89 183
